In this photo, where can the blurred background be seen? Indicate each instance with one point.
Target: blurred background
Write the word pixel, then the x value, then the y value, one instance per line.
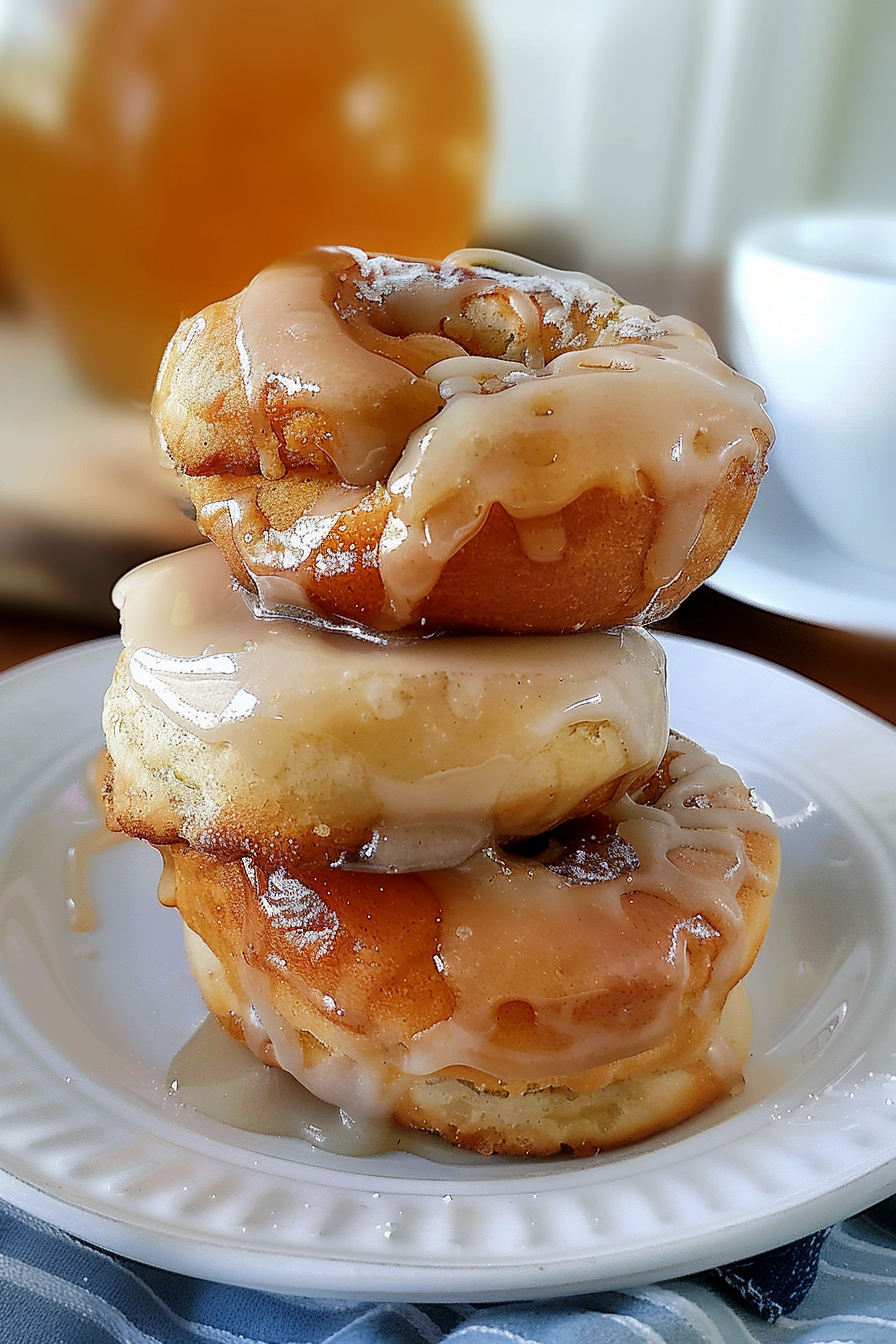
pixel 154 154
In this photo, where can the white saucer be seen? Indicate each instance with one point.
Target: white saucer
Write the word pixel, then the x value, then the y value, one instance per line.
pixel 92 1139
pixel 781 562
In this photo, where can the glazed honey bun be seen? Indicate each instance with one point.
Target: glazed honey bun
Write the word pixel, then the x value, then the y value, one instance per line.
pixel 290 744
pixel 568 992
pixel 477 444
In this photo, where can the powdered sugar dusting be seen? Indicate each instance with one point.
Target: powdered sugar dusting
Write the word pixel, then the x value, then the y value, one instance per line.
pixel 559 294
pixel 567 288
pixel 382 275
pixel 306 920
pixel 637 324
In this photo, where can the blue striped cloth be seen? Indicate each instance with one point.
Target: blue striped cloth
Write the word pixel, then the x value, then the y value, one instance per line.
pixel 56 1290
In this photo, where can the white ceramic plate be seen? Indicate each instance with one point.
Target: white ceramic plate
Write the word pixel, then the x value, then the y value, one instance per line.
pixel 781 562
pixel 91 1138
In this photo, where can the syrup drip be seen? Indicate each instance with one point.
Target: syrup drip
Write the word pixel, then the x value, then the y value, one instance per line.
pixel 81 854
pixel 221 1079
pixel 78 878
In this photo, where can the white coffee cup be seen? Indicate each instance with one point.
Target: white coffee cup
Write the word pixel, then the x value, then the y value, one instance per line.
pixel 812 318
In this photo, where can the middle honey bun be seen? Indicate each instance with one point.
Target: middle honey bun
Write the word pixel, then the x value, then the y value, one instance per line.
pixel 271 739
pixel 399 733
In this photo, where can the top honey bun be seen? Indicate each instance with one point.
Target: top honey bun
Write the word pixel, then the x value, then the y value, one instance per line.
pixel 480 443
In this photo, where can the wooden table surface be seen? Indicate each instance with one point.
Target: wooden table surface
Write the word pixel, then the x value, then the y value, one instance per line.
pixel 860 667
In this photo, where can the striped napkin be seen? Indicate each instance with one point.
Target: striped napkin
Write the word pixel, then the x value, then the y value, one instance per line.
pixel 57 1290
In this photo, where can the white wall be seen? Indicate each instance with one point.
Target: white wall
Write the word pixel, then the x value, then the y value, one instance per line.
pixel 650 131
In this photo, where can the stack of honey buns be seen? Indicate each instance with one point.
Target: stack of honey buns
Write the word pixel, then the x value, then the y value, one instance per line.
pixel 400 732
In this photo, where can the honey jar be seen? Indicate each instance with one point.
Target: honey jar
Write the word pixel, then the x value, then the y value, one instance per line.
pixel 155 154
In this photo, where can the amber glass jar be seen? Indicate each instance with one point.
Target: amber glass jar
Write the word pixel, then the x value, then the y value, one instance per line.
pixel 154 154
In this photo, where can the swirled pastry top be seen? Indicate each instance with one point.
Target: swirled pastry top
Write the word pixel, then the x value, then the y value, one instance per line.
pixel 445 390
